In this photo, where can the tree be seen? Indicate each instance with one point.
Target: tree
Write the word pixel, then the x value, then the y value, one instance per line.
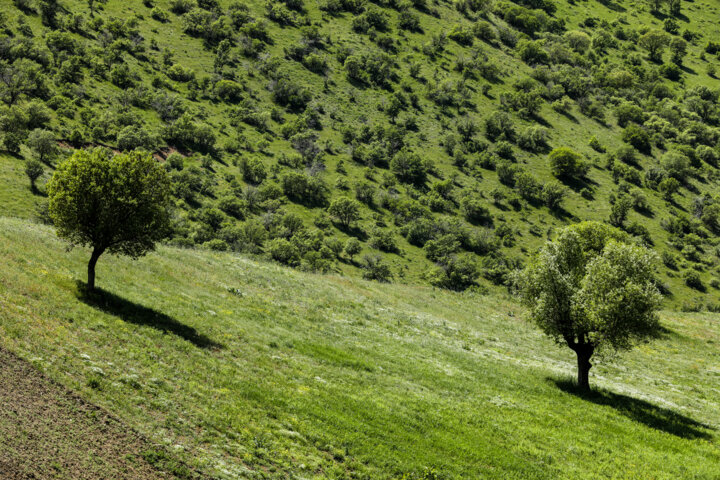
pixel 675 7
pixel 34 170
pixel 48 12
pixel 578 41
pixel 23 77
pixel 408 167
pixel 552 195
pixel 654 42
pixel 346 210
pixel 669 187
pixel 116 204
pixel 678 46
pixel 592 289
pixel 655 5
pixel 352 247
pixel 566 163
pixel 43 144
pixel 619 210
pixel 638 137
pixel 91 5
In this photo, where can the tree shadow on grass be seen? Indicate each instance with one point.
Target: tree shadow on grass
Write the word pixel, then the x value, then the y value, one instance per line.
pixel 132 312
pixel 653 416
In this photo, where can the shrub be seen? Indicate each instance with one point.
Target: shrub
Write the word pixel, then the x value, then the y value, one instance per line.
pixel 180 74
pixel 628 112
pixel 383 240
pixel 473 209
pixel 527 186
pixel 676 165
pixel 499 126
pixel 43 144
pixel 408 167
pixel 566 163
pixel 290 94
pixel 132 137
pixel 283 251
pixel 304 189
pixel 374 268
pixel 352 247
pixel 692 279
pixel 179 7
pixel 596 145
pixel 160 15
pixel 233 206
pixel 532 53
pixel 456 272
pixel 553 194
pixel 346 210
pixel 533 138
pixel 638 137
pixel 365 192
pixel 33 170
pixel 668 187
pixel 229 91
pixel 654 41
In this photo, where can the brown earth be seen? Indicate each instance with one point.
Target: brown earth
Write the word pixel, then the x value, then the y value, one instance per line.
pixel 47 432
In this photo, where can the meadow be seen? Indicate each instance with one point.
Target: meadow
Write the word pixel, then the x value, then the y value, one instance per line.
pixel 246 369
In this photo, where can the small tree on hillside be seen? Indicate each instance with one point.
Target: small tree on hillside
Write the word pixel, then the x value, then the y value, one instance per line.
pixel 43 144
pixel 92 4
pixel 116 204
pixel 592 289
pixel 346 210
pixel 34 170
pixel 566 163
pixel 655 42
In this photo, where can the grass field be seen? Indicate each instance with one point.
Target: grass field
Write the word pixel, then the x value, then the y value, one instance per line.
pixel 244 369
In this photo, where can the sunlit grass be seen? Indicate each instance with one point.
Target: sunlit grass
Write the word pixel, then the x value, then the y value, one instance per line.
pixel 249 370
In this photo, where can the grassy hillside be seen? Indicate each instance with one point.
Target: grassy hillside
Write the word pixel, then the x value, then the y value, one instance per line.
pixel 264 116
pixel 247 369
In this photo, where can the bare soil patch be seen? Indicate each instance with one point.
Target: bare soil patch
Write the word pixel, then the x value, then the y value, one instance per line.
pixel 47 432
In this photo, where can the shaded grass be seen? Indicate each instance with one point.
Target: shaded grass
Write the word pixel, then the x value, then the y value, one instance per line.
pixel 653 416
pixel 135 313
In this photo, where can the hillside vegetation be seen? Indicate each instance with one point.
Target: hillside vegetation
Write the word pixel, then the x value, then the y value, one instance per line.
pixel 430 142
pixel 246 369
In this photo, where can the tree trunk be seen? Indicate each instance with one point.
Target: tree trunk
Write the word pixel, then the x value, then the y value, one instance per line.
pixel 584 352
pixel 91 267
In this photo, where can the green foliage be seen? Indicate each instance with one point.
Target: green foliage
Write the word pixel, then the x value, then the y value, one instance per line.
pixel 474 210
pixel 375 268
pixel 654 41
pixel 591 290
pixel 43 144
pixel 113 203
pixel 33 170
pixel 455 272
pixel 352 247
pixel 637 137
pixel 408 167
pixel 258 95
pixel 346 210
pixel 283 251
pixel 566 163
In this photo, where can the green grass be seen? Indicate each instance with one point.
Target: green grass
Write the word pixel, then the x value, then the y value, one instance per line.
pixel 249 370
pixel 16 198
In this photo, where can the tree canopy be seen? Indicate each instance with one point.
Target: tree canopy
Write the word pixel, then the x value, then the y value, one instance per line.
pixel 113 203
pixel 592 289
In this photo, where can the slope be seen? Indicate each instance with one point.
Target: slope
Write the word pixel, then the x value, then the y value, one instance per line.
pixel 246 369
pixel 47 432
pixel 266 112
